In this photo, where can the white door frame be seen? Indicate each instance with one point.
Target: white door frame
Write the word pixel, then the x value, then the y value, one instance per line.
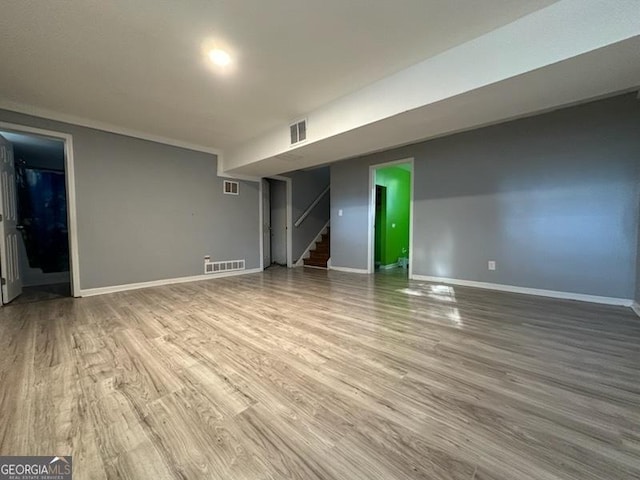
pixel 72 223
pixel 372 212
pixel 260 225
pixel 288 182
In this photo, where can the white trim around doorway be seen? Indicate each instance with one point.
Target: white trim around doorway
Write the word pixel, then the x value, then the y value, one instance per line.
pixel 372 211
pixel 72 222
pixel 289 184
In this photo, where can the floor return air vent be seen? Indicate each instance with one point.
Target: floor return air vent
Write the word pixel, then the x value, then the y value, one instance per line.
pixel 223 266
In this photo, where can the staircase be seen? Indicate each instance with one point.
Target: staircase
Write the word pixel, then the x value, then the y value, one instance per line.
pixel 319 256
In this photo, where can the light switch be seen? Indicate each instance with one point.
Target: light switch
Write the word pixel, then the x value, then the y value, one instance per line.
pixel 340 212
pixel 393 225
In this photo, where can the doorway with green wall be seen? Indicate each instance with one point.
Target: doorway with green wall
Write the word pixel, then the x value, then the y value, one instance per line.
pixel 392 216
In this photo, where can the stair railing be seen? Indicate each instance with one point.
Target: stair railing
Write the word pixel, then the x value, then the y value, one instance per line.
pixel 306 213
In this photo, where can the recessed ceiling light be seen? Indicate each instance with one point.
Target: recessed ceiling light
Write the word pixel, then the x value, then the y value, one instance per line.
pixel 219 57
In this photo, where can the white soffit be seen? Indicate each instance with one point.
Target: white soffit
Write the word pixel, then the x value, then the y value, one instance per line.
pixel 570 51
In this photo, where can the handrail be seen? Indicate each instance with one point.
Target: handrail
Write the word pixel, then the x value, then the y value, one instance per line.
pixel 310 207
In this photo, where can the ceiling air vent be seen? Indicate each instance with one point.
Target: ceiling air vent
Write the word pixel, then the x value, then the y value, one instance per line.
pixel 231 188
pixel 298 132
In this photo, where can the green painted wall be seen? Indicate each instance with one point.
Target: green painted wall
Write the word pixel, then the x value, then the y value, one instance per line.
pixel 396 224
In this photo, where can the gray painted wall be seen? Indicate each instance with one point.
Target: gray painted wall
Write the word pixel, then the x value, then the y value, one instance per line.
pixel 148 211
pixel 37 152
pixel 34 156
pixel 306 186
pixel 34 159
pixel 552 199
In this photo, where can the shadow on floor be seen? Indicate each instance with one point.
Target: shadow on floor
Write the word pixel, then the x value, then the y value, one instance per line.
pixel 42 293
pixel 393 272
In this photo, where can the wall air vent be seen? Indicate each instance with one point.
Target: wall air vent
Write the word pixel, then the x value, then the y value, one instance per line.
pixel 298 132
pixel 222 267
pixel 231 188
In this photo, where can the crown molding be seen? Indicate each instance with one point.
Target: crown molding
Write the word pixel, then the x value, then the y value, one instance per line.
pixel 107 127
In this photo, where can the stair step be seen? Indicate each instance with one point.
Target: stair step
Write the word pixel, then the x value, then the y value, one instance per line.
pixel 319 256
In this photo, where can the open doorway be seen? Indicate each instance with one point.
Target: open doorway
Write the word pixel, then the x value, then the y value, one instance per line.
pixel 390 214
pixel 35 257
pixel 276 219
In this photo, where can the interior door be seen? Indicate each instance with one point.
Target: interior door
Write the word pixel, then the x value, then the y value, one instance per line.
pixel 266 222
pixel 9 265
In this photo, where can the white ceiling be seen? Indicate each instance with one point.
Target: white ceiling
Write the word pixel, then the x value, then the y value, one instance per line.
pixel 139 65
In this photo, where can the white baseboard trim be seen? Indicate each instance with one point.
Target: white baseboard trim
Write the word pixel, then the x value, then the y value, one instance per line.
pixel 307 251
pixel 636 308
pixel 90 292
pixel 528 291
pixel 349 270
pixel 313 266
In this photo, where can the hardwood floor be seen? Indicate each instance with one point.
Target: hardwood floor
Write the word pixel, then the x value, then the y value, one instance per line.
pixel 42 293
pixel 310 374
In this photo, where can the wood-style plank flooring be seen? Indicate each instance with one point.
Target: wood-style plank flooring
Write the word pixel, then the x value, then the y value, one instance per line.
pixel 41 293
pixel 313 375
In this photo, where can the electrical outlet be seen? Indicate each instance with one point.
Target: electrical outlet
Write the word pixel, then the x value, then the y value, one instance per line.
pixel 491 265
